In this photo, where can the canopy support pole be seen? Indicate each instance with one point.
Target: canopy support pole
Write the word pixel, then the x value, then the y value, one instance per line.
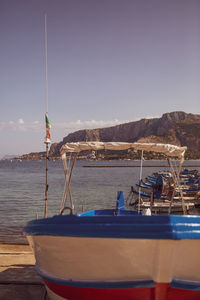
pixel 177 185
pixel 141 165
pixel 68 175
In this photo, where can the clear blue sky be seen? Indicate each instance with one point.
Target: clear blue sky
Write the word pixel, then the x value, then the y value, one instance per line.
pixel 109 61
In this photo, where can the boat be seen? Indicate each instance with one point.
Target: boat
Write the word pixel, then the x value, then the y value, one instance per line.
pixel 116 254
pixel 164 193
pixel 162 205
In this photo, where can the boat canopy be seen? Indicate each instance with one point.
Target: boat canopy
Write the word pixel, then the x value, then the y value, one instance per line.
pixel 171 151
pixel 167 149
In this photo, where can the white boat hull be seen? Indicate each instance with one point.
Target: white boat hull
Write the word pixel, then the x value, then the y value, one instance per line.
pixel 80 264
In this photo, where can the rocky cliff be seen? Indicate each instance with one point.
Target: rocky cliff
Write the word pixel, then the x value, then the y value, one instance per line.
pixel 178 128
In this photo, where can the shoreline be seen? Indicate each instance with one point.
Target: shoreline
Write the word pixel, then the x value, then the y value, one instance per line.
pixel 137 166
pixel 20 159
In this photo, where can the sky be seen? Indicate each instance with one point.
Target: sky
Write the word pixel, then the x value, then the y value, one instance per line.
pixel 109 62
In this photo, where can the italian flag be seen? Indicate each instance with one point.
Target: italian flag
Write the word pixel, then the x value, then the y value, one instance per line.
pixel 48 126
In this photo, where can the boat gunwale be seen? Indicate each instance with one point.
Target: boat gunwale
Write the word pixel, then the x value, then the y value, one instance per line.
pixel 171 227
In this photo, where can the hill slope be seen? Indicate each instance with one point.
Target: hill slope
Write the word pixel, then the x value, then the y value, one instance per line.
pixel 178 128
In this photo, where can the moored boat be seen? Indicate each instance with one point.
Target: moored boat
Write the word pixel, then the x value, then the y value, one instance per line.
pixel 178 190
pixel 117 253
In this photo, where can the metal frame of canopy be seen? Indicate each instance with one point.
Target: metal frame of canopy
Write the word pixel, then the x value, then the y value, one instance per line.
pixel 170 151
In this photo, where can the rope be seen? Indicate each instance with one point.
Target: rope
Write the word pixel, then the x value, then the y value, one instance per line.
pixel 46 295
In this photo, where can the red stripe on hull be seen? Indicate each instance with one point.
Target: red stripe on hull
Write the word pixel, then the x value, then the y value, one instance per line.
pixel 162 291
pixel 82 293
pixel 181 294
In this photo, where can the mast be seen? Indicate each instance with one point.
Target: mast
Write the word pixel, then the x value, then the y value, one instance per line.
pixel 48 138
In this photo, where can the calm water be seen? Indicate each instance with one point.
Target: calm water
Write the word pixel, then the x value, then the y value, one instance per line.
pixel 22 186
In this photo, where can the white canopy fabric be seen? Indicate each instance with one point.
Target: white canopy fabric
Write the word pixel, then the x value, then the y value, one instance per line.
pixel 167 149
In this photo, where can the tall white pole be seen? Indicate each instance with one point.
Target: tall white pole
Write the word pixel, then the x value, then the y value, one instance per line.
pixel 46 93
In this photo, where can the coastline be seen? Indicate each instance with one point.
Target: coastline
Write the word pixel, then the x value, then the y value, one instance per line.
pixel 83 158
pixel 136 166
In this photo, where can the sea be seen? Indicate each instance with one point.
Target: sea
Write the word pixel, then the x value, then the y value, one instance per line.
pixel 94 185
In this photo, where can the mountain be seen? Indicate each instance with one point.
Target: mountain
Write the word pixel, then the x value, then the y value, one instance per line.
pixel 178 128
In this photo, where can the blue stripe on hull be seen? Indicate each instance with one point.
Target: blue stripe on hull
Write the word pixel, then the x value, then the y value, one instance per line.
pixel 118 226
pixel 187 285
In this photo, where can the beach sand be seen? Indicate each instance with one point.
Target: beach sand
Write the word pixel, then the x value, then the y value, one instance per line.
pixel 18 278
